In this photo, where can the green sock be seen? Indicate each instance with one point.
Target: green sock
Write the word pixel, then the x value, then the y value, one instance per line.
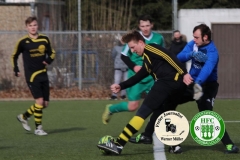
pixel 120 107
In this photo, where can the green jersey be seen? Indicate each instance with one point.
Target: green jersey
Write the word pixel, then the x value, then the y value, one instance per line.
pixel 134 92
pixel 153 38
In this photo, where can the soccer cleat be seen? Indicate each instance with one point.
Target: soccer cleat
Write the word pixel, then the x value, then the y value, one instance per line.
pixel 113 98
pixel 24 122
pixel 39 131
pixel 111 146
pixel 141 139
pixel 175 149
pixel 230 148
pixel 106 116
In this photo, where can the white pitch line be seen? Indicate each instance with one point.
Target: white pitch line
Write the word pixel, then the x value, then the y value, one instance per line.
pixel 232 121
pixel 158 149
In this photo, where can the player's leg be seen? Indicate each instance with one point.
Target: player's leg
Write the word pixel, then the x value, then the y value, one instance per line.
pixel 136 122
pixel 23 118
pixel 38 116
pixel 41 103
pixel 206 103
pixel 133 94
pixel 154 100
pixel 171 104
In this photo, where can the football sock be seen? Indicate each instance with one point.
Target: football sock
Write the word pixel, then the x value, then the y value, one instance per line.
pixel 131 128
pixel 150 126
pixel 38 114
pixel 226 139
pixel 120 107
pixel 29 112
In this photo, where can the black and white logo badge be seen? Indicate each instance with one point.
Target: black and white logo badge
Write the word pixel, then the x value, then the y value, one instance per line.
pixel 172 128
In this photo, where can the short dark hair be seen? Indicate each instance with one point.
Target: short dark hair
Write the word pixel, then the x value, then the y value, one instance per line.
pixel 145 17
pixel 132 36
pixel 176 31
pixel 205 30
pixel 30 20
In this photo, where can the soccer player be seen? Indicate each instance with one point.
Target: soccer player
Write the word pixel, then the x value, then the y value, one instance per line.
pixel 37 53
pixel 134 63
pixel 204 55
pixel 169 74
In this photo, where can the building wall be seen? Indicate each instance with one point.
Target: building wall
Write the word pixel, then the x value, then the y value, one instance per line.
pixel 189 18
pixel 12 17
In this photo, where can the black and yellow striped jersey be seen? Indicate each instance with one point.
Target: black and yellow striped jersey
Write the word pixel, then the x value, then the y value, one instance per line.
pixel 160 63
pixel 34 52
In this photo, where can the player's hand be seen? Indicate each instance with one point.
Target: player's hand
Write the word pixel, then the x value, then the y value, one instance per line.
pixel 137 68
pixel 199 56
pixel 115 88
pixel 197 91
pixel 17 74
pixel 45 63
pixel 187 79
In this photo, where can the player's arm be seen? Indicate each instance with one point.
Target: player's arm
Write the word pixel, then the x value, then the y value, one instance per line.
pixel 134 79
pixel 209 65
pixel 126 59
pixel 128 62
pixel 162 53
pixel 185 54
pixel 17 51
pixel 50 52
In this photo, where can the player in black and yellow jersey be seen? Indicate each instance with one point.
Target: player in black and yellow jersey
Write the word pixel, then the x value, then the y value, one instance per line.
pixel 37 53
pixel 171 79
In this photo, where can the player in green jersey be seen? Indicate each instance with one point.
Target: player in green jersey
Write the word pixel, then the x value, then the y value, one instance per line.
pixel 134 63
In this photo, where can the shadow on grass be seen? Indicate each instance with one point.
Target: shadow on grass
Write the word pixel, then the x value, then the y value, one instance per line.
pixel 63 130
pixel 5 147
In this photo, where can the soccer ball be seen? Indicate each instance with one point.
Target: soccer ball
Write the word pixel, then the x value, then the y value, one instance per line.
pixel 104 140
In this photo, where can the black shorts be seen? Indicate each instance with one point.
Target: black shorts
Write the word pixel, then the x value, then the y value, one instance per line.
pixel 39 89
pixel 161 92
pixel 206 102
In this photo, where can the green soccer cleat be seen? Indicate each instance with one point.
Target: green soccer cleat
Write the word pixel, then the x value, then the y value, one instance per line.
pixel 230 148
pixel 106 116
pixel 141 139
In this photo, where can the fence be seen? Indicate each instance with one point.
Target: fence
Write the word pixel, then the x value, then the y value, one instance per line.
pixel 96 64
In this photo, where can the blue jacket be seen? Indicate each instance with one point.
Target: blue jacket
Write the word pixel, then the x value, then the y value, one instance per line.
pixel 201 72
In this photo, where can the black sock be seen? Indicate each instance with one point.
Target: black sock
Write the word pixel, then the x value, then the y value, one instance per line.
pixel 226 139
pixel 150 126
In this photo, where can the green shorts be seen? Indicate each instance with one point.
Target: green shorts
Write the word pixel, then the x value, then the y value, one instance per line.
pixel 134 93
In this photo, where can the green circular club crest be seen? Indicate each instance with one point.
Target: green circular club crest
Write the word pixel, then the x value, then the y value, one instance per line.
pixel 207 128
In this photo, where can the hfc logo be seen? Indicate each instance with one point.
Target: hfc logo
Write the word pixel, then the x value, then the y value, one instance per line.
pixel 207 128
